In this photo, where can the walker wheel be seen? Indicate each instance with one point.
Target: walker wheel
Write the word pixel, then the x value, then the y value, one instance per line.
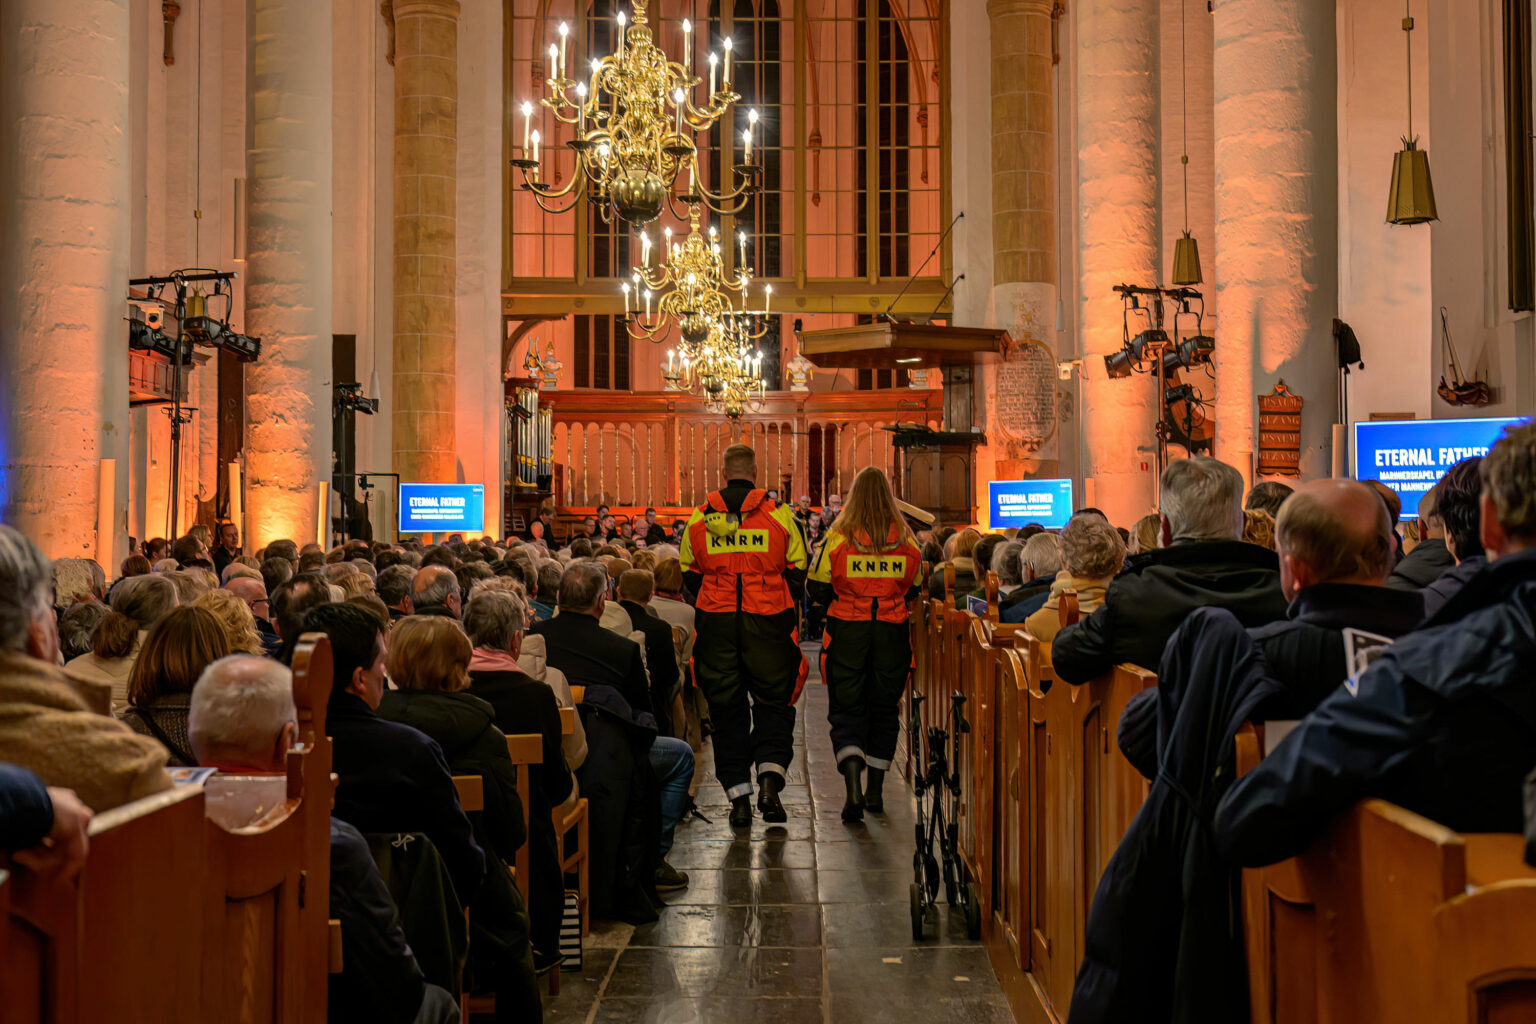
pixel 916 892
pixel 972 911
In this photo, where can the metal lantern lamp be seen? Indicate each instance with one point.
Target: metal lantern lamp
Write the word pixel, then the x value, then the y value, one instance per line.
pixel 1411 199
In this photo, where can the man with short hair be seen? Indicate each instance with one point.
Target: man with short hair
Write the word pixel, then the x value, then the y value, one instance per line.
pixel 1266 496
pixel 1203 561
pixel 275 572
pixel 435 590
pixel 1442 723
pixel 635 589
pixel 1429 557
pixel 655 533
pixel 46 725
pixel 1458 502
pixel 291 603
pixel 1040 561
pixel 742 554
pixel 228 546
pixel 391 778
pixel 394 588
pixel 254 594
pixel 189 549
pixel 242 720
pixel 548 590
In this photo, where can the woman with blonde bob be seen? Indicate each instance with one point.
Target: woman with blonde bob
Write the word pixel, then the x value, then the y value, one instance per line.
pixel 865 574
pixel 1091 554
pixel 236 618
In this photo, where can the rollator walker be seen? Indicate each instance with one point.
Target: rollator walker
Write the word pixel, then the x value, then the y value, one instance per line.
pixel 936 783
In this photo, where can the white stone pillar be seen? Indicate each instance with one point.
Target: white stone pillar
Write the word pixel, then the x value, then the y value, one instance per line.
pixel 65 226
pixel 1276 219
pixel 288 283
pixel 1117 128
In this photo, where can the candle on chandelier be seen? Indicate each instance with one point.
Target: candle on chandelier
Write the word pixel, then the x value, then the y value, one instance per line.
pixel 621 20
pixel 677 97
pixel 687 46
pixel 554 61
pixel 741 237
pixel 713 62
pixel 581 108
pixel 647 303
pixel 693 170
pixel 670 361
pixel 564 31
pixel 535 149
pixel 527 123
pixel 746 137
pixel 726 78
pixel 626 298
pixel 645 250
pixel 767 297
pixel 751 124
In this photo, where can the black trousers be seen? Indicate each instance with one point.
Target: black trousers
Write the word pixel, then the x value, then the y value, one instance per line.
pixel 865 665
pixel 751 670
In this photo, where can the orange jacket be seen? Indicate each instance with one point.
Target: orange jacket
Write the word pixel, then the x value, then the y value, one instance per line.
pixel 869 585
pixel 742 556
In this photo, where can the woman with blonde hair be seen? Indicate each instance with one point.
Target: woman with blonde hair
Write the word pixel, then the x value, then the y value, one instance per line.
pixel 1147 534
pixel 958 550
pixel 236 618
pixel 865 574
pixel 1091 554
pixel 185 641
pixel 137 603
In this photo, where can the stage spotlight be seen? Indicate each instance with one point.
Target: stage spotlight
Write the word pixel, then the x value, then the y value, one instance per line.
pixel 202 330
pixel 242 346
pixel 1179 393
pixel 1118 364
pixel 145 338
pixel 1150 338
pixel 1196 350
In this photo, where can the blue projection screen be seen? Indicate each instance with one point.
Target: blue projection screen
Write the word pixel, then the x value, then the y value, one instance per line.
pixel 1021 502
pixel 1409 456
pixel 442 508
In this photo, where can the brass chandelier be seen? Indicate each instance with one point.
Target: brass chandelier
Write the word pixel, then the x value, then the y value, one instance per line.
pixel 634 120
pixel 689 286
pixel 722 368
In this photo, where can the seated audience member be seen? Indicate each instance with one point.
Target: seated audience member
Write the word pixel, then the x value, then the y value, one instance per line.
pixel 228 547
pixel 435 590
pixel 533 660
pixel 548 572
pixel 236 618
pixel 188 549
pixel 668 601
pixel 392 778
pixel 254 593
pixel 964 544
pixel 192 584
pixel 1091 554
pixel 1267 496
pixel 429 661
pixel 1458 503
pixel 137 604
pixel 42 827
pixel 1147 535
pixel 522 705
pixel 1335 548
pixel 394 588
pixel 136 565
pixel 635 589
pixel 156 548
pixel 593 657
pixel 275 572
pixel 1201 563
pixel 76 626
pixel 1443 722
pixel 242 720
pixel 371 604
pixel 178 648
pixel 77 580
pixel 291 605
pixel 235 570
pixel 1040 560
pixel 655 533
pixel 1259 528
pixel 1429 557
pixel 166 566
pixel 984 558
pixel 287 550
pixel 46 726
pixel 1394 506
pixel 357 584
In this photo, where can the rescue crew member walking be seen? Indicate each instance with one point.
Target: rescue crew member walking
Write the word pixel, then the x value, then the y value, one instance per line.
pixel 866 572
pixel 738 548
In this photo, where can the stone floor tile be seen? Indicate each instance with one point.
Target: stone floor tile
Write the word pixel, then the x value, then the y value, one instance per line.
pixel 733 926
pixel 738 886
pixel 732 973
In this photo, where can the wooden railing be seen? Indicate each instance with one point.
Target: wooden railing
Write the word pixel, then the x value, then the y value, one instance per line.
pixel 662 448
pixel 1390 917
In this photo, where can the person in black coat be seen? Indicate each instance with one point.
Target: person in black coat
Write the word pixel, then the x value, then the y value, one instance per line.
pixel 43 826
pixel 392 778
pixel 1335 549
pixel 1430 557
pixel 635 589
pixel 1201 563
pixel 590 655
pixel 1443 723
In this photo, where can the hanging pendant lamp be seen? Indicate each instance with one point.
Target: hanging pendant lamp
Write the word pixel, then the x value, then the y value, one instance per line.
pixel 1411 199
pixel 1186 251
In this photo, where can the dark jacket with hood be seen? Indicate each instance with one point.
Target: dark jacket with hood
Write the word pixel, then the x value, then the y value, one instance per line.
pixel 1305 653
pixel 1442 723
pixel 660 658
pixel 624 806
pixel 1156 592
pixel 1421 566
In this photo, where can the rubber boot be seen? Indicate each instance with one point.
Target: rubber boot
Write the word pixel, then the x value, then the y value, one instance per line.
pixel 741 812
pixel 853 806
pixel 768 803
pixel 874 800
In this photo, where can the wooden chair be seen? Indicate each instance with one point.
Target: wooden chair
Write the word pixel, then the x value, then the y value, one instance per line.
pixel 578 862
pixel 471 792
pixel 578 692
pixel 567 721
pixel 527 749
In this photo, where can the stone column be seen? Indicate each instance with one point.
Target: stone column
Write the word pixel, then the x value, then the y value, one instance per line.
pixel 1117 119
pixel 1023 241
pixel 65 225
pixel 1276 219
pixel 426 177
pixel 288 269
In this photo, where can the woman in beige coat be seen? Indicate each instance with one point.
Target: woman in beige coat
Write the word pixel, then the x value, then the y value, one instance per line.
pixel 1092 552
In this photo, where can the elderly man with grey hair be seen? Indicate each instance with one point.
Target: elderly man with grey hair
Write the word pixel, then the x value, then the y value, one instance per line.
pixel 48 726
pixel 1203 562
pixel 435 591
pixel 76 580
pixel 1040 561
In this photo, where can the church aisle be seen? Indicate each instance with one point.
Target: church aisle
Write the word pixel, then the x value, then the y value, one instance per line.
pixel 800 922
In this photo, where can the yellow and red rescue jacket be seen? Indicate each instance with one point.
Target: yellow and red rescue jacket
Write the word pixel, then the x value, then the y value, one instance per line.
pixel 870 585
pixel 742 556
